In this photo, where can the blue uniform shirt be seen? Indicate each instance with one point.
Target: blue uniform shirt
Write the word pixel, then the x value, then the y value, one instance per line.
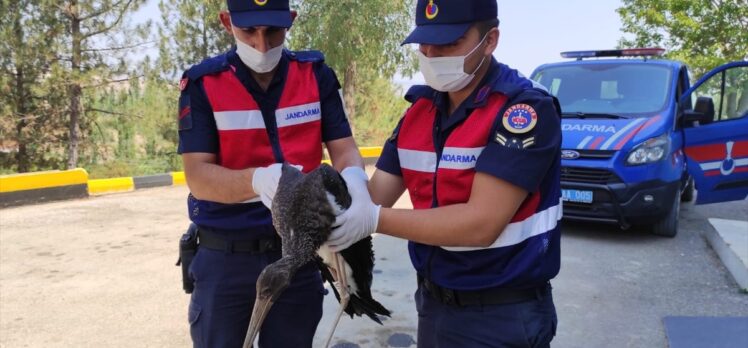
pixel 535 168
pixel 201 135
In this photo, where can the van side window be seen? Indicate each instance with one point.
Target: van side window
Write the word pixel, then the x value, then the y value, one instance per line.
pixel 729 91
pixel 736 93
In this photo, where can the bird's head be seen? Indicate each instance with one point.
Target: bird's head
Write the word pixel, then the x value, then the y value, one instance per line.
pixel 271 283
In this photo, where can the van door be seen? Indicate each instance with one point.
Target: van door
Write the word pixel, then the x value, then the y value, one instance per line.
pixel 714 116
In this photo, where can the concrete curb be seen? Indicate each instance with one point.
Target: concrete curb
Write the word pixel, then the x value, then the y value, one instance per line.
pixel 28 188
pixel 153 181
pixel 113 185
pixel 725 240
pixel 370 152
pixel 50 194
pixel 178 178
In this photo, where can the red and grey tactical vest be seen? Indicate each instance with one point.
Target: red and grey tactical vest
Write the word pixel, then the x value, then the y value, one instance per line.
pixel 243 137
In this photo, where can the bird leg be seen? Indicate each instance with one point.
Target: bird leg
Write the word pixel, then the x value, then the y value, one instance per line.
pixel 339 267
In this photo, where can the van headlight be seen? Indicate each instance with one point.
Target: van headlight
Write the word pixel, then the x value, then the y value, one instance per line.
pixel 649 151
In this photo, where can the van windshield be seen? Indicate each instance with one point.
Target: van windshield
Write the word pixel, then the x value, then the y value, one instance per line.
pixel 613 89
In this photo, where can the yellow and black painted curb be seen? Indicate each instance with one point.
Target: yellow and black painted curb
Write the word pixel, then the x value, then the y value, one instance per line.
pixel 28 188
pixel 38 187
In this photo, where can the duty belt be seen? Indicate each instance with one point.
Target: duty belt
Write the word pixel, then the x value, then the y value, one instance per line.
pixel 215 241
pixel 493 296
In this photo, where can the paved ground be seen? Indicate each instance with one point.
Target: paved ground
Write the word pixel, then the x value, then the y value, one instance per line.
pixel 730 242
pixel 615 287
pixel 100 272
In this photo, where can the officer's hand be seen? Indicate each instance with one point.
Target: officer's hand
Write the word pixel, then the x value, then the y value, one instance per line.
pixel 265 182
pixel 361 219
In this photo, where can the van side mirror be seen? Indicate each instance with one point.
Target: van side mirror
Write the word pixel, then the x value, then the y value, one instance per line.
pixel 703 112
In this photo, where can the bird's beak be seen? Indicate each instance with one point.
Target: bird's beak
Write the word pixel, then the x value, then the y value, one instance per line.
pixel 259 312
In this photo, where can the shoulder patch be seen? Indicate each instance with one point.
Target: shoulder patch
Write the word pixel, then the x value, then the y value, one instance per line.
pixel 307 56
pixel 520 119
pixel 184 116
pixel 183 84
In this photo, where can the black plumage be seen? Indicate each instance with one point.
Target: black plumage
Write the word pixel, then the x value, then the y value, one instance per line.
pixel 361 302
pixel 304 210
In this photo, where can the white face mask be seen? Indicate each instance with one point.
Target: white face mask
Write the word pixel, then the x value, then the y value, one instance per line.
pixel 257 61
pixel 447 74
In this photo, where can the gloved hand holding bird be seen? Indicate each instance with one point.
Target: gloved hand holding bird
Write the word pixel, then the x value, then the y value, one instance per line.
pixel 304 211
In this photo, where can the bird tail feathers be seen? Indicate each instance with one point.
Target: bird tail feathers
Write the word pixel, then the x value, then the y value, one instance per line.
pixel 356 305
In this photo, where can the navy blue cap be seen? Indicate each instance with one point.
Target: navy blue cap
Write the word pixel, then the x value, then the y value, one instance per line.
pixel 255 13
pixel 439 22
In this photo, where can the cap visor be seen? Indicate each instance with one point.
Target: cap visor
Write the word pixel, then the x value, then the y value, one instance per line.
pixel 437 34
pixel 248 19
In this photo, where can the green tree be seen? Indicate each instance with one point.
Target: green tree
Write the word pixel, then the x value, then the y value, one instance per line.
pixel 189 32
pixel 360 40
pixel 704 34
pixel 141 137
pixel 94 41
pixel 381 106
pixel 31 120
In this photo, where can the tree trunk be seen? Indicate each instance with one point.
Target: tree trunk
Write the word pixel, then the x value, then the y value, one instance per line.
pixel 204 25
pixel 349 87
pixel 75 87
pixel 22 157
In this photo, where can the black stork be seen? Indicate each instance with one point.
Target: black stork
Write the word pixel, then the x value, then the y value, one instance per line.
pixel 304 209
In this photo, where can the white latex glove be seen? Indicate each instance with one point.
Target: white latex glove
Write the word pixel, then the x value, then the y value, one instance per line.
pixel 265 182
pixel 361 219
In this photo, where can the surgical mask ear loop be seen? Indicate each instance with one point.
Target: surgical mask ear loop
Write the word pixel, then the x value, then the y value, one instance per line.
pixel 473 51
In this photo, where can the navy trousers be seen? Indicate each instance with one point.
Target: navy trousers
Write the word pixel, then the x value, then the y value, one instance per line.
pixel 524 324
pixel 224 295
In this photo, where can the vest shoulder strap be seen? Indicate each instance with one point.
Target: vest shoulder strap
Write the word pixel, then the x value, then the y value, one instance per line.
pixel 307 56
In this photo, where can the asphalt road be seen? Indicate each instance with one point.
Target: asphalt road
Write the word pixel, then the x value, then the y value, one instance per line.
pixel 100 272
pixel 615 287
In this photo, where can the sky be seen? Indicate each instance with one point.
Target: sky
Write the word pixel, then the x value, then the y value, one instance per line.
pixel 535 32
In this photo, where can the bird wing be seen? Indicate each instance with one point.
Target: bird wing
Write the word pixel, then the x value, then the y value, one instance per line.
pixel 302 214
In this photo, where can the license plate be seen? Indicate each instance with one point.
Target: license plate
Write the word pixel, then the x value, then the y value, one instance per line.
pixel 577 196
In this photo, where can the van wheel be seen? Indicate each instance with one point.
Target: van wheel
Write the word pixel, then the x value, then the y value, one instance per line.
pixel 688 192
pixel 668 226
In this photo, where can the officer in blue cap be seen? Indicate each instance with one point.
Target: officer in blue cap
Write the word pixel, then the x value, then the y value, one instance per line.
pixel 241 114
pixel 479 153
